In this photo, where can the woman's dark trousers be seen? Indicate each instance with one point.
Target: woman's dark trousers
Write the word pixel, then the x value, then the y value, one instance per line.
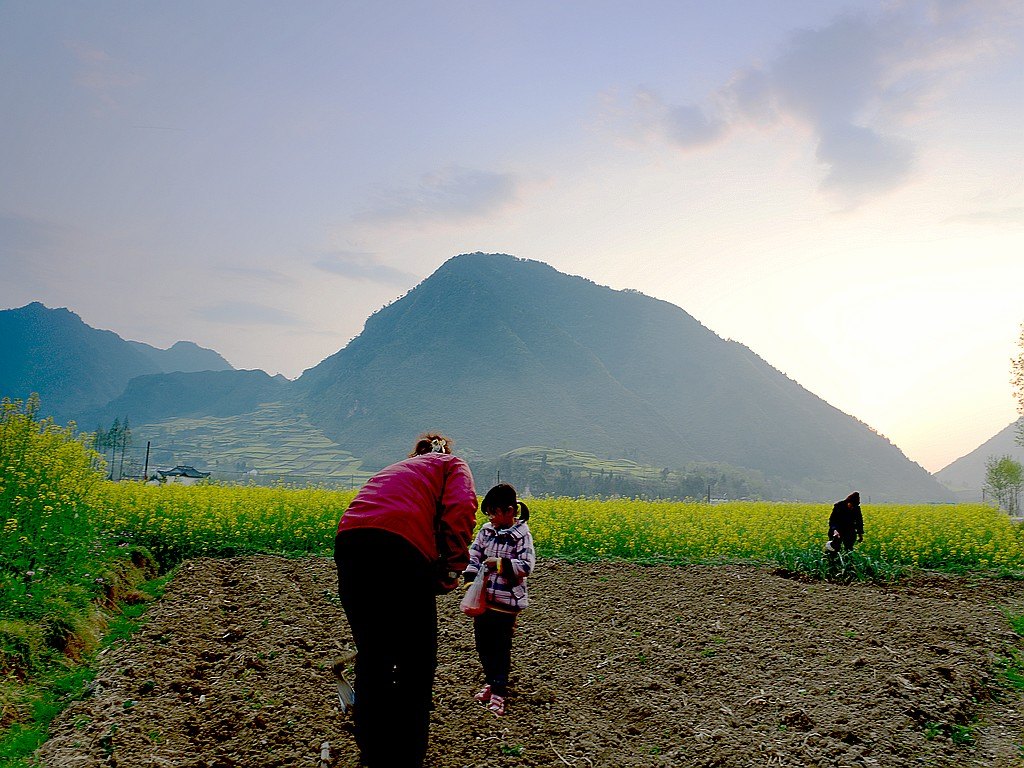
pixel 492 631
pixel 387 590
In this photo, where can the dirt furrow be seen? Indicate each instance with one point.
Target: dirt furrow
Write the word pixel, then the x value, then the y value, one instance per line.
pixel 615 665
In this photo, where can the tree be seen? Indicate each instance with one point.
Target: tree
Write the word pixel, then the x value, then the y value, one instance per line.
pixel 1004 479
pixel 126 440
pixel 113 436
pixel 117 438
pixel 1017 379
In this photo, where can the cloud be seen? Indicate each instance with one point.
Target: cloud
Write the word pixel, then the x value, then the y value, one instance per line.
pixel 451 194
pixel 1013 216
pixel 685 126
pixel 689 126
pixel 861 161
pixel 86 53
pixel 257 273
pixel 364 266
pixel 246 313
pixel 856 84
pixel 20 234
pixel 100 74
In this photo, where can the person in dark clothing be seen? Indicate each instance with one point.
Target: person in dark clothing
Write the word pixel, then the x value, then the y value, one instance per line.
pixel 846 523
pixel 403 540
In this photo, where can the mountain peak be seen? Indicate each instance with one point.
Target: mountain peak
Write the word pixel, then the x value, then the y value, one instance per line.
pixel 502 352
pixel 42 349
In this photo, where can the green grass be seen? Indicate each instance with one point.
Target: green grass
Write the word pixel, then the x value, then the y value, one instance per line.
pixel 58 682
pixel 1012 665
pixel 123 625
pixel 1016 622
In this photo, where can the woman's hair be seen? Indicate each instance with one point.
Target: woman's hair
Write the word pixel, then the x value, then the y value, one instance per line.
pixel 503 496
pixel 431 443
pixel 854 498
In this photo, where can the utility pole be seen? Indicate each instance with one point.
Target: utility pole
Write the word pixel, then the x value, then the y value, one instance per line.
pixel 145 471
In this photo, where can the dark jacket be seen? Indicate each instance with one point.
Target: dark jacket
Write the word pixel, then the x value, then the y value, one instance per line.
pixel 846 519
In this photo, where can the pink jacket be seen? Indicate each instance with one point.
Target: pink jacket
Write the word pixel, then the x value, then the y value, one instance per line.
pixel 429 500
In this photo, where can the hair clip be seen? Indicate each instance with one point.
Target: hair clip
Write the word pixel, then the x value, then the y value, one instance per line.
pixel 438 445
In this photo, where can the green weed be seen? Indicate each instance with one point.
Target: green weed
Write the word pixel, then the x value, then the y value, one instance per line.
pixel 843 568
pixel 962 735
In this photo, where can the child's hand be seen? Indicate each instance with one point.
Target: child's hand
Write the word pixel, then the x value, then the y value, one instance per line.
pixel 491 563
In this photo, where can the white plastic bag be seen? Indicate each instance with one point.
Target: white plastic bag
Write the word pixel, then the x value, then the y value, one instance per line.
pixel 474 602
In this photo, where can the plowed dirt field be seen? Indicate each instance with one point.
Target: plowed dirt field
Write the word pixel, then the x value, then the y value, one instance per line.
pixel 615 665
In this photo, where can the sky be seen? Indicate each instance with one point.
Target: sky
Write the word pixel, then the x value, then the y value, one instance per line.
pixel 837 185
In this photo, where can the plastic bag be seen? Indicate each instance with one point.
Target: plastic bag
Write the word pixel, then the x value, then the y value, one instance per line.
pixel 474 602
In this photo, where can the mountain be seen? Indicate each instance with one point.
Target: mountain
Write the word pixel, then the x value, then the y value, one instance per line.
pixel 966 476
pixel 76 368
pixel 154 397
pixel 184 357
pixel 72 366
pixel 502 352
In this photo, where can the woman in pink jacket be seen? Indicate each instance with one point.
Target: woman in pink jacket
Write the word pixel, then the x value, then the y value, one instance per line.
pixel 403 540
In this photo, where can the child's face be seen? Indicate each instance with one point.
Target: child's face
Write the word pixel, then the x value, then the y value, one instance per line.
pixel 502 518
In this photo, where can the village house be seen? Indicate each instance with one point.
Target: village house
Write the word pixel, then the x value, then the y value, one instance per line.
pixel 183 474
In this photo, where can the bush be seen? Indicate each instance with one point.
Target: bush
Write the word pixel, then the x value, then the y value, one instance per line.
pixel 47 537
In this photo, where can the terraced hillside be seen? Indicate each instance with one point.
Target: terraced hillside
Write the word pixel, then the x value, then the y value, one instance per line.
pixel 275 443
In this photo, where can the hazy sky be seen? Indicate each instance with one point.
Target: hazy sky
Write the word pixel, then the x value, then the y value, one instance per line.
pixel 837 185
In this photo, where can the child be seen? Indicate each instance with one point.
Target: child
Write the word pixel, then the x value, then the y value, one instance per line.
pixel 502 554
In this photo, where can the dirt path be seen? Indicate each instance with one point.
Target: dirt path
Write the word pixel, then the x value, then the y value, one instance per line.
pixel 616 665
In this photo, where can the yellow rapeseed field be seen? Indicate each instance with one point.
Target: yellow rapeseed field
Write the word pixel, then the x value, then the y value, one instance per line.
pixel 179 521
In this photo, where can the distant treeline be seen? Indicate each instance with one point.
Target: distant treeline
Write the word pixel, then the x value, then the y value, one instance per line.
pixel 693 482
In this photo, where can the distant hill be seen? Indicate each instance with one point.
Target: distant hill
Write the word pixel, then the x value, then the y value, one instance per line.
pixel 502 353
pixel 155 397
pixel 72 366
pixel 270 444
pixel 966 476
pixel 76 368
pixel 184 357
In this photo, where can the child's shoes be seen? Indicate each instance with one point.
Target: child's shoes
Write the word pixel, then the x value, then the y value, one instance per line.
pixel 483 695
pixel 497 705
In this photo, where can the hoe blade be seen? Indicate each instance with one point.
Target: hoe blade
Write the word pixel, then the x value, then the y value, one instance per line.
pixel 346 694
